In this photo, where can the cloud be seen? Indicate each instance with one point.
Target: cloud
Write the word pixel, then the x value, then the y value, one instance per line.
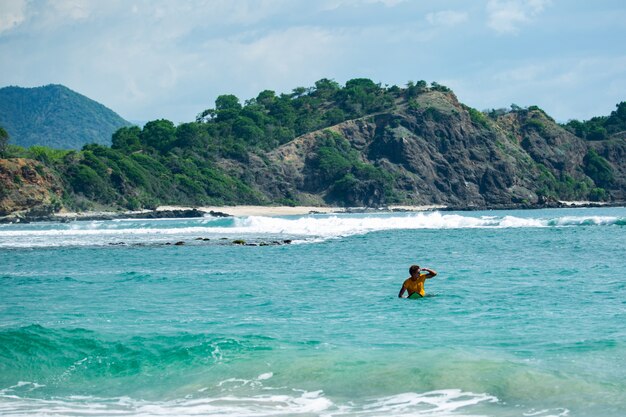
pixel 388 3
pixel 506 16
pixel 72 9
pixel 334 4
pixel 446 18
pixel 12 14
pixel 158 58
pixel 566 87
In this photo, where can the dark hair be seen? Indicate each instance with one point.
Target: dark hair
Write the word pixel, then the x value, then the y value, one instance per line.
pixel 414 268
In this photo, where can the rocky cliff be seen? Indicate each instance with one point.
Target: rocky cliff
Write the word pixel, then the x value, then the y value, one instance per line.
pixel 438 151
pixel 28 187
pixel 418 148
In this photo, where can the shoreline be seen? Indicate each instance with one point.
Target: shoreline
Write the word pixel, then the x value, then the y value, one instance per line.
pixel 173 212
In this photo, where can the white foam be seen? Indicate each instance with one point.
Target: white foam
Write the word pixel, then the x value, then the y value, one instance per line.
pixel 433 403
pixel 293 402
pixel 305 403
pixel 266 375
pixel 585 220
pixel 558 412
pixel 311 228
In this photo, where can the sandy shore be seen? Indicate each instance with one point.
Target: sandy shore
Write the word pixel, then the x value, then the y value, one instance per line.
pixel 236 211
pixel 239 211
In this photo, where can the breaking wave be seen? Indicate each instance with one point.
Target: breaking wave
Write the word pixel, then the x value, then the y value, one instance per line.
pixel 309 227
pixel 430 404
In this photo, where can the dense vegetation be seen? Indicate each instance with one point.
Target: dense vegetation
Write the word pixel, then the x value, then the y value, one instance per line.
pixel 55 116
pixel 4 141
pixel 599 128
pixel 163 163
pixel 338 164
pixel 205 162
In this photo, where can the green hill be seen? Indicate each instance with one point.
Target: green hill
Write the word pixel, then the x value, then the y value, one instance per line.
pixel 360 144
pixel 55 116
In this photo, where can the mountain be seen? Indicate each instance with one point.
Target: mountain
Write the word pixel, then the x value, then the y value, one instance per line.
pixel 55 116
pixel 355 145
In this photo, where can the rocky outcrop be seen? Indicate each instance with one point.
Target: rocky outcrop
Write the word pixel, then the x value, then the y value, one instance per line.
pixel 28 188
pixel 614 151
pixel 439 151
pixel 426 150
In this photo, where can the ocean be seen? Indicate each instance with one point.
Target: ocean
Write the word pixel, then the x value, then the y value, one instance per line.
pixel 526 317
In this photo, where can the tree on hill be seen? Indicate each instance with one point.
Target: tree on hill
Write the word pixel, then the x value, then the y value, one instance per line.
pixel 600 128
pixel 4 141
pixel 616 122
pixel 159 134
pixel 126 138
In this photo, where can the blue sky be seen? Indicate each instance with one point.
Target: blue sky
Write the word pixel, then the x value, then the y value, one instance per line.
pixel 155 59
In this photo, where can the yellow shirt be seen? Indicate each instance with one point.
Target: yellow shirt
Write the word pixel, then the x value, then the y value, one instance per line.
pixel 415 285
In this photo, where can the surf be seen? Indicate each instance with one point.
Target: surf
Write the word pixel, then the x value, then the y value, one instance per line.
pixel 303 229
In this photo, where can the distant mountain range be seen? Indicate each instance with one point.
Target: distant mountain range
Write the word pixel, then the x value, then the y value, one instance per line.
pixel 56 117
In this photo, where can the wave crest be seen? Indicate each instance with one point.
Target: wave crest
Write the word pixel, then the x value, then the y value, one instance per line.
pixel 305 227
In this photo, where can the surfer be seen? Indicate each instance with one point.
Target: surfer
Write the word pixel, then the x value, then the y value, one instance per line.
pixel 415 283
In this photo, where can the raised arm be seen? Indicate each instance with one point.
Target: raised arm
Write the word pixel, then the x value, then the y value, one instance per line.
pixel 431 272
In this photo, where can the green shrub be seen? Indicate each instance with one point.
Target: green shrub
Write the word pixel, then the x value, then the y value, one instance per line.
pixel 598 194
pixel 46 155
pixel 434 114
pixel 132 203
pixel 598 169
pixel 331 164
pixel 477 117
pixel 597 133
pixel 84 180
pixel 535 124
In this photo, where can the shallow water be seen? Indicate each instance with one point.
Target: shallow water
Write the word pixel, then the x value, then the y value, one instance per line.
pixel 525 317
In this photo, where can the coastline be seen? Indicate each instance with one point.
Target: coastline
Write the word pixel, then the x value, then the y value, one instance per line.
pixel 164 212
pixel 229 211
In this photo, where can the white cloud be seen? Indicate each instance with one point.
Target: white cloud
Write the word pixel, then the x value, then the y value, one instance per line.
pixel 335 4
pixel 388 3
pixel 12 14
pixel 446 18
pixel 72 9
pixel 148 59
pixel 565 87
pixel 506 16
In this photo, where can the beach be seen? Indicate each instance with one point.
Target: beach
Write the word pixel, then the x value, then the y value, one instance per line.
pixel 235 211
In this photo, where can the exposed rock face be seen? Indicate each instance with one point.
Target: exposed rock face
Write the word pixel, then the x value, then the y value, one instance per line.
pixel 438 153
pixel 614 151
pixel 26 185
pixel 429 150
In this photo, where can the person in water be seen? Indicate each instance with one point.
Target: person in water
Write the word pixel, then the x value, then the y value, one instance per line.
pixel 415 283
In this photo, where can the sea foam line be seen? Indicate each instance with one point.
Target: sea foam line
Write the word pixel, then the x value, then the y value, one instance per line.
pixel 329 226
pixel 298 402
pixel 309 228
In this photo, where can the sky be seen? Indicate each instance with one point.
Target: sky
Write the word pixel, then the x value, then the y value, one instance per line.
pixel 152 59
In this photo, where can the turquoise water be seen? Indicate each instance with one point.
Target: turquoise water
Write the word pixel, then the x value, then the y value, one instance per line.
pixel 526 316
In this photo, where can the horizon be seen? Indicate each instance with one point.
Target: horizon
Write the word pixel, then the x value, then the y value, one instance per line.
pixel 566 58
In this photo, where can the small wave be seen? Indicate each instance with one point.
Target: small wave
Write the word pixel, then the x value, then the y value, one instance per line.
pixel 587 221
pixel 73 355
pixel 304 229
pixel 297 402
